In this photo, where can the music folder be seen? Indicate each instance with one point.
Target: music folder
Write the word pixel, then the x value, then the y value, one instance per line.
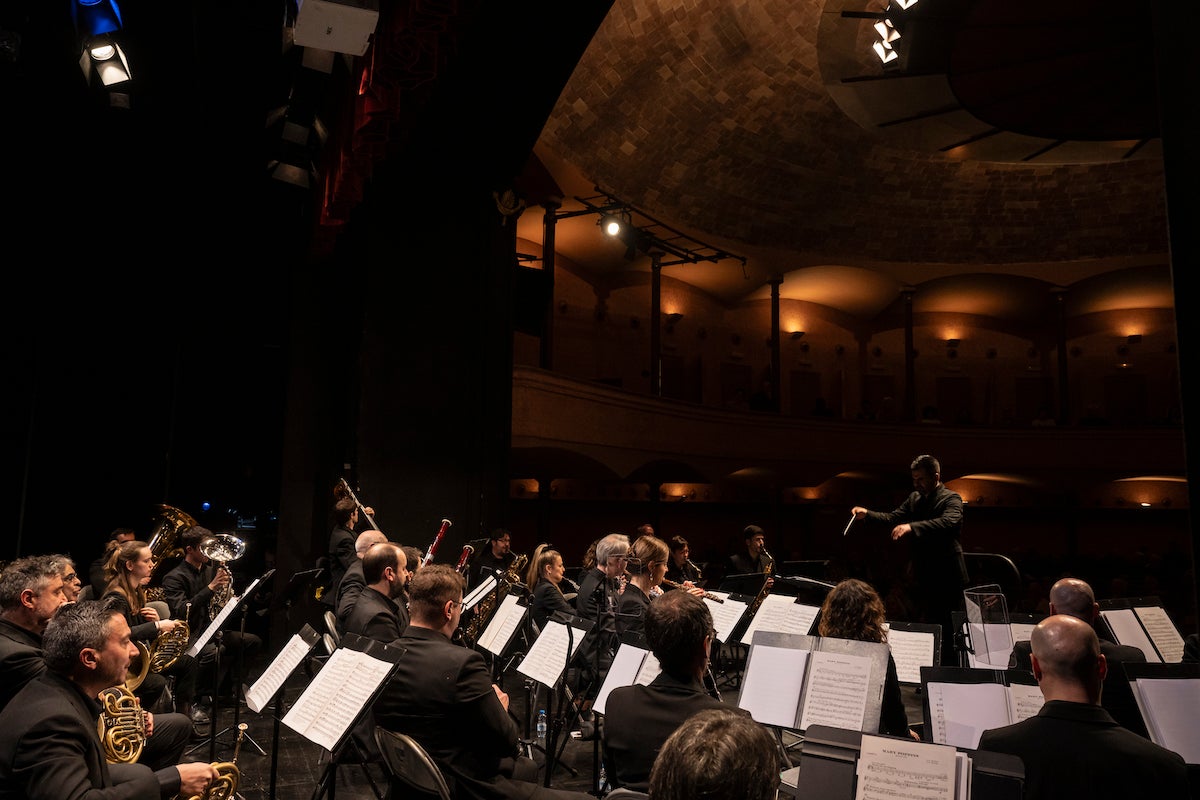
pixel 224 613
pixel 793 681
pixel 505 622
pixel 1168 695
pixel 342 690
pixel 548 656
pixel 632 664
pixel 1143 623
pixel 960 703
pixel 914 645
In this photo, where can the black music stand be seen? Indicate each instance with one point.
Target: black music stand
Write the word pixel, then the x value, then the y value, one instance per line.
pixel 308 636
pixel 239 667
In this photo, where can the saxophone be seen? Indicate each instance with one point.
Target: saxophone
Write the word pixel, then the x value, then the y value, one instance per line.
pixel 766 587
pixel 484 608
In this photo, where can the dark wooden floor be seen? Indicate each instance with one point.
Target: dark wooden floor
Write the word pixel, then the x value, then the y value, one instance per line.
pixel 276 762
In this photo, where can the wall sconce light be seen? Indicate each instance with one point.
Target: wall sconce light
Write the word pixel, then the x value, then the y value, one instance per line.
pixel 674 317
pixel 952 343
pixel 797 334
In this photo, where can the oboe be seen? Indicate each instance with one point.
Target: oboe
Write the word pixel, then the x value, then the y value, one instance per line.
pixel 429 554
pixel 706 595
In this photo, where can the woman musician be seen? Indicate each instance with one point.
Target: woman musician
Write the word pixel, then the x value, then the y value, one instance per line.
pixel 680 569
pixel 646 567
pixel 545 581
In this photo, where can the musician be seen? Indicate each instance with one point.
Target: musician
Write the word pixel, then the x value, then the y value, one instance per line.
pixel 72 583
pixel 352 582
pixel 544 579
pixel 442 695
pixel 680 568
pixel 1075 597
pixel 638 719
pixel 341 545
pixel 377 614
pixel 27 604
pixel 128 570
pixel 853 610
pixel 49 745
pixel 755 558
pixel 718 754
pixel 96 578
pixel 494 559
pixel 188 589
pixel 646 565
pixel 1072 747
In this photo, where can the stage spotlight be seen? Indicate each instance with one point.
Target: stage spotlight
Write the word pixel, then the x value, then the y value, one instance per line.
pixel 95 18
pixel 612 224
pixel 103 58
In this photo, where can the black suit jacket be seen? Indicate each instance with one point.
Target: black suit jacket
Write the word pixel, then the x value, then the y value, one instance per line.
pixel 1078 750
pixel 348 590
pixel 936 521
pixel 441 695
pixel 638 719
pixel 1116 697
pixel 49 750
pixel 20 659
pixel 377 617
pixel 547 599
pixel 341 556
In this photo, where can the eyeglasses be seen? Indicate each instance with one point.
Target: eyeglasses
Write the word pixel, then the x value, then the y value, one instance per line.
pixel 70 577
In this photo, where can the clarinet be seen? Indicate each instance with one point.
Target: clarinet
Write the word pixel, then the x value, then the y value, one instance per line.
pixel 429 554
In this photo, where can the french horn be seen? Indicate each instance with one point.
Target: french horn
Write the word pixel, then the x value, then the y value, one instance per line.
pixel 121 726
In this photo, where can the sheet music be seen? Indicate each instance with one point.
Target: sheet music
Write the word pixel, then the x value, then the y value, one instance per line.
pixel 336 696
pixel 962 762
pixel 1162 631
pixel 260 694
pixel 781 614
pixel 504 623
pixel 623 672
pixel 219 620
pixel 835 692
pixel 1022 631
pixel 726 615
pixel 478 593
pixel 911 650
pixel 899 768
pixel 649 671
pixel 1125 626
pixel 1171 708
pixel 547 658
pixel 771 684
pixel 960 712
pixel 1024 701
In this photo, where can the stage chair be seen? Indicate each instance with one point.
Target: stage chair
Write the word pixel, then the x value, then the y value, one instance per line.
pixel 408 763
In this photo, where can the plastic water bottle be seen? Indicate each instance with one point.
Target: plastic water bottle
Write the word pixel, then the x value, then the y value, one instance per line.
pixel 541 726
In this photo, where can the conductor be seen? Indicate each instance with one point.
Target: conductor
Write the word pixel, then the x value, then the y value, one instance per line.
pixel 932 518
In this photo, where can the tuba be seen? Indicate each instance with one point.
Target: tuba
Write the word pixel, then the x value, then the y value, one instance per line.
pixel 222 548
pixel 483 610
pixel 168 524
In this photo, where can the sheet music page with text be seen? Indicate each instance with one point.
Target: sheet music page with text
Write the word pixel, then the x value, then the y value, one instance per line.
pixel 911 650
pixel 503 625
pixel 961 712
pixel 897 768
pixel 478 593
pixel 726 616
pixel 1171 709
pixel 336 695
pixel 219 619
pixel 623 672
pixel 1163 633
pixel 260 694
pixel 1022 631
pixel 1128 630
pixel 547 658
pixel 649 671
pixel 771 684
pixel 780 614
pixel 835 692
pixel 1024 701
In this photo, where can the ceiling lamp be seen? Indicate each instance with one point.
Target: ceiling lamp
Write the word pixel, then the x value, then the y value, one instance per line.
pixel 613 224
pixel 103 58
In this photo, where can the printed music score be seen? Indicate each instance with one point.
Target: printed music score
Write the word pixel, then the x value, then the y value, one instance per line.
pixel 336 696
pixel 726 615
pixel 631 665
pixel 911 650
pixel 899 769
pixel 504 623
pixel 547 657
pixel 781 614
pixel 959 713
pixel 1147 628
pixel 1170 706
pixel 260 694
pixel 478 593
pixel 219 620
pixel 837 690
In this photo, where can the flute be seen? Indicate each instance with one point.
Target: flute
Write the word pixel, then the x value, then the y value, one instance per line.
pixel 706 595
pixel 429 554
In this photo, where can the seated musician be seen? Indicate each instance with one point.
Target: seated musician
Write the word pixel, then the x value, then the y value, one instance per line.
pixel 646 565
pixel 717 754
pixel 128 569
pixel 442 695
pixel 599 592
pixel 638 719
pixel 854 610
pixel 544 579
pixel 49 743
pixel 680 569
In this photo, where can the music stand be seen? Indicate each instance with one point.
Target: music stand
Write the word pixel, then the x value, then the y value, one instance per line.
pixel 303 581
